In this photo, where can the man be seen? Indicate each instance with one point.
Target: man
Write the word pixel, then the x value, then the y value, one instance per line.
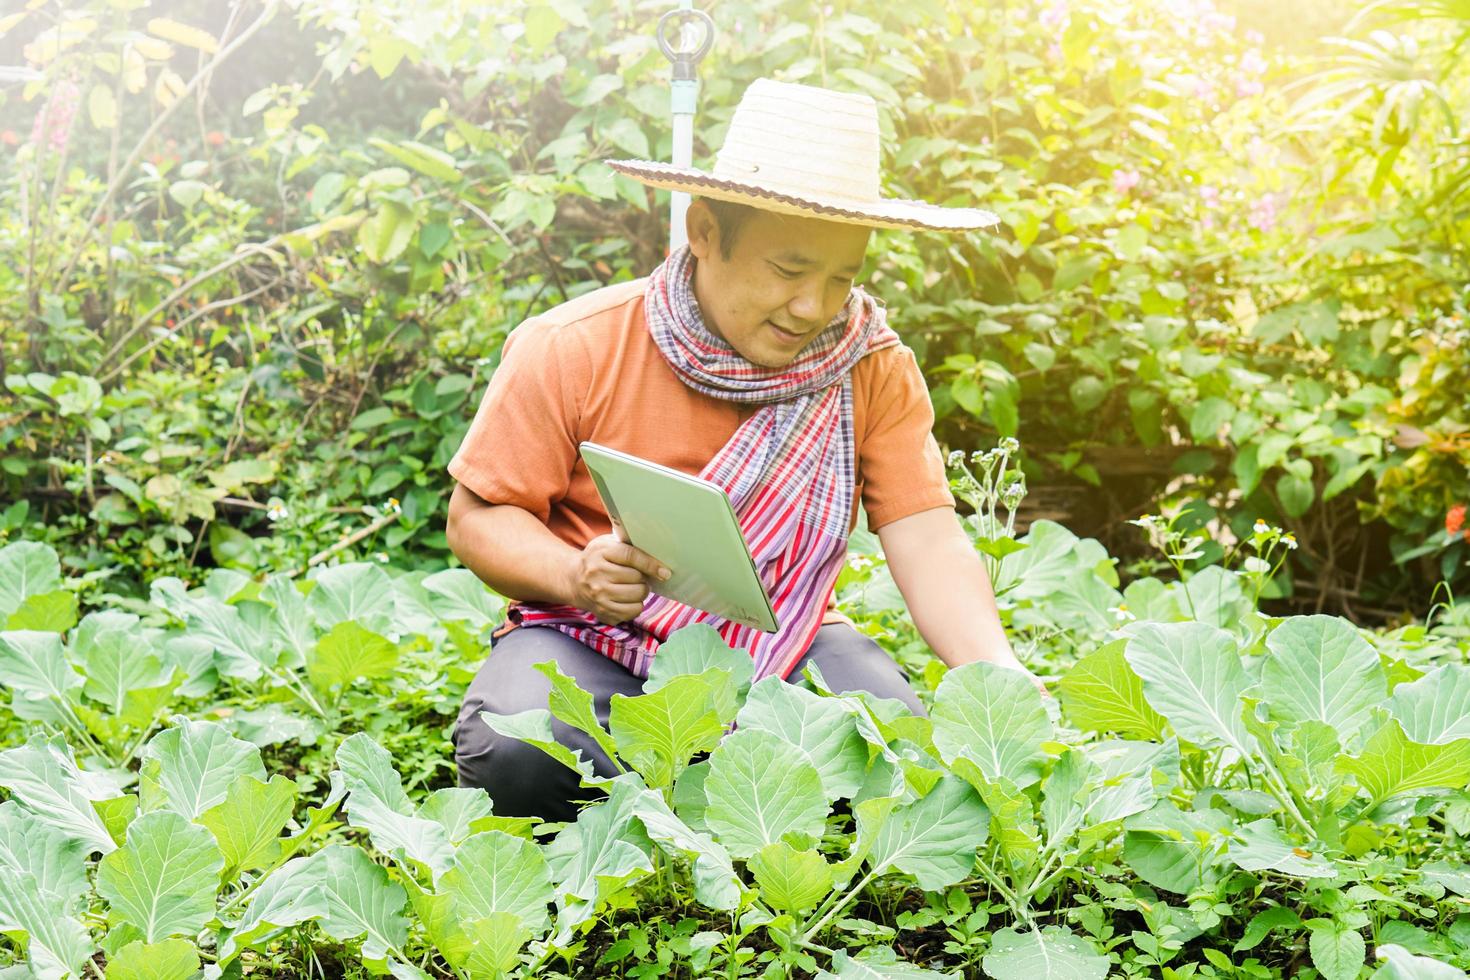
pixel 748 358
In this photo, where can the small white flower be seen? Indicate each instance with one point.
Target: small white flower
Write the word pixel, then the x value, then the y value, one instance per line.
pixel 1121 612
pixel 1147 520
pixel 276 512
pixel 392 506
pixel 381 557
pixel 1261 527
pixel 859 562
pixel 956 459
pixel 1010 445
pixel 1256 566
pixel 1289 540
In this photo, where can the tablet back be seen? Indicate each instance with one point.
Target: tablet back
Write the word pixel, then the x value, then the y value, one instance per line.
pixel 688 524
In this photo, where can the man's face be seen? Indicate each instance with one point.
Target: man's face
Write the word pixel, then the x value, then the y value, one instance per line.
pixel 785 279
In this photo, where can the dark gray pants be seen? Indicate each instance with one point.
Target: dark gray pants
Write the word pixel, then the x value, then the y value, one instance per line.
pixel 524 781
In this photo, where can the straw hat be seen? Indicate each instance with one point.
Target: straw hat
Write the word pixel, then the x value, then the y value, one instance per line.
pixel 809 151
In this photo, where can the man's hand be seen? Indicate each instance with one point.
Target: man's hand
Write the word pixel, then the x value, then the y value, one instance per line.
pixel 610 579
pixel 1013 663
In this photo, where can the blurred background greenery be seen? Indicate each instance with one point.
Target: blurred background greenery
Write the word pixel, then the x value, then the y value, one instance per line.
pixel 257 259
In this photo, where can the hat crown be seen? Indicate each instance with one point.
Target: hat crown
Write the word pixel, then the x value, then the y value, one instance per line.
pixel 804 141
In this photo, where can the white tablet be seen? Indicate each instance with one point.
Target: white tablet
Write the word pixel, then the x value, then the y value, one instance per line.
pixel 688 524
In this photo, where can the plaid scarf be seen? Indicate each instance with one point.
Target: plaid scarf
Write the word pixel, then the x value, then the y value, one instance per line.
pixel 789 471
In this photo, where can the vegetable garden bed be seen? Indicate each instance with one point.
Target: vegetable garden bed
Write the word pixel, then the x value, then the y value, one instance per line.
pixel 1213 793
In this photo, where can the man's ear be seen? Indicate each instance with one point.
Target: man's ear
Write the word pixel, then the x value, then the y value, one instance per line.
pixel 702 229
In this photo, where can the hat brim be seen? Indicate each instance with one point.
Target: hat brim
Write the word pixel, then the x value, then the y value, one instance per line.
pixel 883 213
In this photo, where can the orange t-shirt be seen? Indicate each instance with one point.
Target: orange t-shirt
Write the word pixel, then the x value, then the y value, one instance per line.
pixel 589 370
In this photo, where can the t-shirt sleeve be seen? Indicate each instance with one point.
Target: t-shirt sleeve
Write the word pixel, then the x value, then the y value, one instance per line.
pixel 899 460
pixel 522 444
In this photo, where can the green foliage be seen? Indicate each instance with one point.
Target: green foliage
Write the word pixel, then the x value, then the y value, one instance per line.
pixel 1194 772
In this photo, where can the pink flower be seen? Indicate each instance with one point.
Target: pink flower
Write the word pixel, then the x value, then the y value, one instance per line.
pixel 1205 90
pixel 1125 180
pixel 1210 195
pixel 1264 211
pixel 54 118
pixel 1252 63
pixel 1056 15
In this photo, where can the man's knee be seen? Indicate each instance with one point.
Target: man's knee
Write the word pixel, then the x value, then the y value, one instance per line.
pixel 521 779
pixel 851 661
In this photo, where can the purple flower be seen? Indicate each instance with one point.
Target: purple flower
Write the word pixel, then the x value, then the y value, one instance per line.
pixel 1125 180
pixel 1247 87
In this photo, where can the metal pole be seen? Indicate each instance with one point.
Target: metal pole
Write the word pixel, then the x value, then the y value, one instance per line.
pixel 684 55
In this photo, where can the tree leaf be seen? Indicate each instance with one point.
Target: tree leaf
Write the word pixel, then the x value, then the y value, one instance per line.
pixel 533 726
pixel 1391 764
pixel 875 963
pixel 569 703
pixel 825 730
pixel 163 880
pixel 457 809
pixel 290 895
pixel 458 594
pixel 934 838
pixel 41 680
pixel 1053 953
pixel 190 37
pixel 386 232
pixel 791 880
pixel 349 653
pixel 593 858
pixel 747 809
pixel 361 901
pixel 496 942
pixel 698 649
pixel 1435 709
pixel 119 660
pixel 1337 951
pixel 57 943
pixel 195 762
pixel 1101 693
pixel 994 716
pixel 172 959
pixel 377 803
pixel 659 733
pixel 1176 850
pixel 715 884
pixel 1400 964
pixel 495 872
pixel 43 775
pixel 1193 676
pixel 248 823
pixel 1318 668
pixel 49 612
pixel 27 568
pixel 357 590
pixel 56 862
pixel 243 645
pixel 693 649
pixel 1261 847
pixel 1079 794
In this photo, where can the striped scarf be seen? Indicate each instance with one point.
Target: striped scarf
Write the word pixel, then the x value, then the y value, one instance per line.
pixel 789 471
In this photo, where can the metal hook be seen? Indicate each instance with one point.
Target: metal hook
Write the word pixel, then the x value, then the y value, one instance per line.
pixel 685 62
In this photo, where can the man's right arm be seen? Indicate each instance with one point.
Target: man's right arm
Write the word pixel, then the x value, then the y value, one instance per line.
pixel 511 551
